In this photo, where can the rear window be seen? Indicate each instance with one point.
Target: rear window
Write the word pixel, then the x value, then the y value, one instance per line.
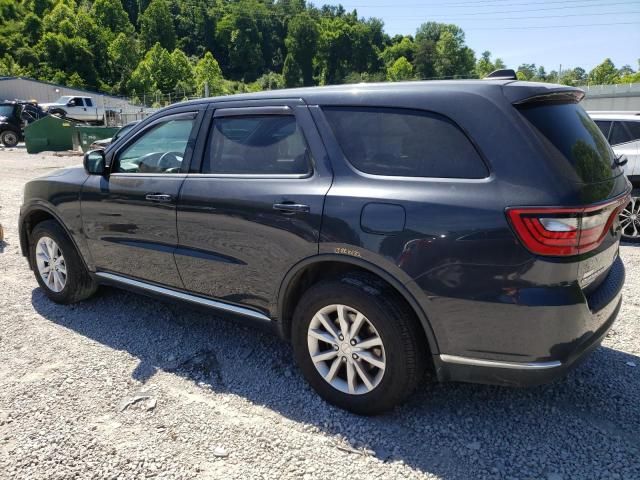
pixel 402 142
pixel 572 138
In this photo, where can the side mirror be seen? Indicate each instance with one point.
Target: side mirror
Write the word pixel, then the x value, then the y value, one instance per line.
pixel 94 162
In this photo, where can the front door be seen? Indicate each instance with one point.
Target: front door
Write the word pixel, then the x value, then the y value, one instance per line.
pixel 129 216
pixel 255 207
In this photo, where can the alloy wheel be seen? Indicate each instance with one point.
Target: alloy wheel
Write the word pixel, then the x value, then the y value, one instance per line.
pixel 51 264
pixel 346 349
pixel 630 219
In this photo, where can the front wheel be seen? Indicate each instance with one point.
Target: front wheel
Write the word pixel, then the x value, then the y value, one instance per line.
pixel 57 265
pixel 630 219
pixel 358 345
pixel 9 138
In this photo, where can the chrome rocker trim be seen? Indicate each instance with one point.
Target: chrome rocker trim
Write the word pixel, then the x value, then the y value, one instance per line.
pixel 478 362
pixel 247 312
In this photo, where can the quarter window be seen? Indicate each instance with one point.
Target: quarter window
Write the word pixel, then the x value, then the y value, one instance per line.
pixel 258 145
pixel 402 142
pixel 160 149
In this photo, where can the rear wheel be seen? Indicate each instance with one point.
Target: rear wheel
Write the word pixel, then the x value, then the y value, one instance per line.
pixel 630 219
pixel 358 344
pixel 9 138
pixel 57 266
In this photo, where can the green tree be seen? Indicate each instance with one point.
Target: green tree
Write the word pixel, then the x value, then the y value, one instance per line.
pixel 301 43
pixel 75 80
pixel 291 72
pixel 604 74
pixel 270 81
pixel 484 65
pixel 241 39
pixel 208 72
pixel 526 71
pixel 182 71
pixel 124 56
pixel 156 26
pixel 441 51
pixel 111 17
pixel 400 70
pixel 402 48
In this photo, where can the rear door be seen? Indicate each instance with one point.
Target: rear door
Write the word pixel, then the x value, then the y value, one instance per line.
pixel 253 208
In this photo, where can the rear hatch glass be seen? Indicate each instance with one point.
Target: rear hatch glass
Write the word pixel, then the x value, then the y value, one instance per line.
pixel 572 140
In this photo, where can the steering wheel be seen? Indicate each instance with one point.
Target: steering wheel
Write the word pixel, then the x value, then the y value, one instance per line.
pixel 169 160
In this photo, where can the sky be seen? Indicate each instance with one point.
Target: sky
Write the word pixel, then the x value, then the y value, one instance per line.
pixel 551 33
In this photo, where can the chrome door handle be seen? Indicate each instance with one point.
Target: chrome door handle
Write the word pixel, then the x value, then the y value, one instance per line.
pixel 158 197
pixel 291 207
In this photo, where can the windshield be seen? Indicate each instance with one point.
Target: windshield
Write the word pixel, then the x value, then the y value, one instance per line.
pixel 6 110
pixel 64 100
pixel 571 137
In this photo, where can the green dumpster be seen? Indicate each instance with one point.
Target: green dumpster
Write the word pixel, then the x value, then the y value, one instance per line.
pixel 87 135
pixel 50 133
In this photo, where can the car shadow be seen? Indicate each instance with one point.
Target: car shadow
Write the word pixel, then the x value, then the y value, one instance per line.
pixel 455 431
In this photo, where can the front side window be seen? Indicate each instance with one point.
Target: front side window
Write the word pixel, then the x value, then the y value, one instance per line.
pixel 257 145
pixel 403 142
pixel 6 110
pixel 159 150
pixel 76 102
pixel 624 132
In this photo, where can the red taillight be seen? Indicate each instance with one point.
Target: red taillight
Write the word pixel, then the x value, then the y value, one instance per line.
pixel 564 231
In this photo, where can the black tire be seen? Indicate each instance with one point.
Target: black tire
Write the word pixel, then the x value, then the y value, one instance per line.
pixel 9 138
pixel 79 284
pixel 404 341
pixel 59 113
pixel 627 233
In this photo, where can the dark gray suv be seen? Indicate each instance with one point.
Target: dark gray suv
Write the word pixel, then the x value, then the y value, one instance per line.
pixel 467 229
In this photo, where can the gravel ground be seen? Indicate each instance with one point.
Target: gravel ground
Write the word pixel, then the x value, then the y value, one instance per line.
pixel 122 386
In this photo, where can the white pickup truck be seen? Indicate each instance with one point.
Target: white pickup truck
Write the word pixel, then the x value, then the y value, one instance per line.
pixel 83 109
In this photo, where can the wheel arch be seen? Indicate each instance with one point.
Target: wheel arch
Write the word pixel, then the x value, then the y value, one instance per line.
pixel 34 215
pixel 303 274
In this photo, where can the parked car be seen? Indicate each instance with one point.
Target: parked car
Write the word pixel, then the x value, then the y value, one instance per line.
pixel 622 129
pixel 464 228
pixel 105 142
pixel 83 109
pixel 14 117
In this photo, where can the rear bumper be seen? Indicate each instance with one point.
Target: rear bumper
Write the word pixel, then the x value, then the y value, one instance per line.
pixel 604 309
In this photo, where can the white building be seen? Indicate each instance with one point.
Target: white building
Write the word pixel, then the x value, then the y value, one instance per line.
pixel 12 88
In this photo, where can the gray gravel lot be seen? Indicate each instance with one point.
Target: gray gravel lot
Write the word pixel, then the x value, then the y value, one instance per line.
pixel 122 386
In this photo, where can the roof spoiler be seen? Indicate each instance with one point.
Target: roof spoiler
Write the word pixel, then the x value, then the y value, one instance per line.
pixel 503 74
pixel 562 96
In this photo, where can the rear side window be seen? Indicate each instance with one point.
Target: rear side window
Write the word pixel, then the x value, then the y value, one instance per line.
pixel 88 102
pixel 257 145
pixel 402 142
pixel 624 132
pixel 572 139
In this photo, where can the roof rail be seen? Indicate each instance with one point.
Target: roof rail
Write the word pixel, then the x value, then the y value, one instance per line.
pixel 503 74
